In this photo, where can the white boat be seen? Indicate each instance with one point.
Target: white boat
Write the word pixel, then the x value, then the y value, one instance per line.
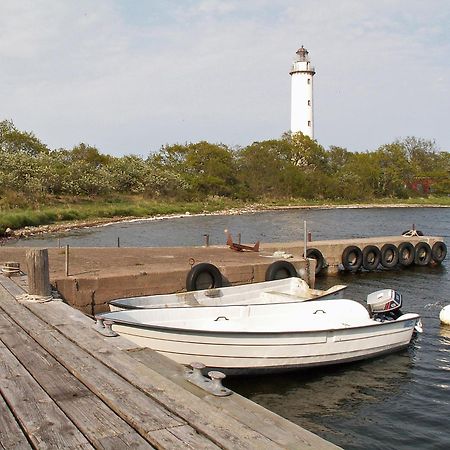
pixel 272 336
pixel 276 291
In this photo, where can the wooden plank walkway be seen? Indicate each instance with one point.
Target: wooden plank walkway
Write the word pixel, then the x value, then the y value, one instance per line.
pixel 63 385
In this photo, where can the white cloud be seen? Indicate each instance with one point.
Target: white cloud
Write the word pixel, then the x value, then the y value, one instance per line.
pixel 130 76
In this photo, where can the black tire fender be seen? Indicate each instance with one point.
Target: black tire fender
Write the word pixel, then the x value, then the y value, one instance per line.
pixel 406 254
pixel 423 254
pixel 438 252
pixel 352 258
pixel 280 269
pixel 203 276
pixel 316 254
pixel 389 256
pixel 371 257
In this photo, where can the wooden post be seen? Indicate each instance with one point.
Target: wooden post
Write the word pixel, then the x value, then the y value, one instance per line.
pixel 38 272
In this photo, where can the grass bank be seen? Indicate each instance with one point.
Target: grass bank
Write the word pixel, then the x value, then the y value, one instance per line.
pixel 98 211
pixel 94 211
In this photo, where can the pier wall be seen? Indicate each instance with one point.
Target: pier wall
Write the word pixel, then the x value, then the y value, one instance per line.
pixel 98 275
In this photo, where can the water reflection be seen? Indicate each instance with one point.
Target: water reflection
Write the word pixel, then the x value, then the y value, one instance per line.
pixel 324 391
pixel 444 332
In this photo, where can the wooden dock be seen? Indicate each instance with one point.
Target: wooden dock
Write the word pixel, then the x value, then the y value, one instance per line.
pixel 63 385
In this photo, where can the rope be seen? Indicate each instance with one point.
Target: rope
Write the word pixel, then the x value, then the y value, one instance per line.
pixel 34 298
pixel 410 233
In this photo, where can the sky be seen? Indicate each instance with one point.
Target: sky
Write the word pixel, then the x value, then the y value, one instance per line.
pixel 131 76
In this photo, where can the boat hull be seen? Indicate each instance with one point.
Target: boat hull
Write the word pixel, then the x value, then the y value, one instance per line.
pixel 243 352
pixel 276 291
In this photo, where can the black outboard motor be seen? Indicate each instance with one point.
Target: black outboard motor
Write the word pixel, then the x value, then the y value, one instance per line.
pixel 385 304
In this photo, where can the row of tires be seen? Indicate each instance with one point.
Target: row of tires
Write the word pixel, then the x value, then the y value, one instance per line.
pixel 388 256
pixel 208 276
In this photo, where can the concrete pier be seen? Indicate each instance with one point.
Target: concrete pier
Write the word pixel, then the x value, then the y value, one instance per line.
pixel 90 277
pixel 98 275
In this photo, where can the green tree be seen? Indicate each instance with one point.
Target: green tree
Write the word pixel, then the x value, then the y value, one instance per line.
pixel 305 152
pixel 208 168
pixel 128 174
pixel 337 158
pixel 14 141
pixel 261 169
pixel 394 170
pixel 89 154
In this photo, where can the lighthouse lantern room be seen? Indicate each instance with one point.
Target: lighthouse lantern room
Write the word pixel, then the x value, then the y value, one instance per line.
pixel 302 73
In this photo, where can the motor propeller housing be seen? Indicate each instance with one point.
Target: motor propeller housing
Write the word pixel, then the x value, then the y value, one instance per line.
pixel 384 301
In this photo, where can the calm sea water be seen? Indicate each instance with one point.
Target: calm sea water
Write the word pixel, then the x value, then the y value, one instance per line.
pixel 400 401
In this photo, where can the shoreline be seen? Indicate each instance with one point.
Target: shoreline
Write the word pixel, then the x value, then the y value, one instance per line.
pixel 65 227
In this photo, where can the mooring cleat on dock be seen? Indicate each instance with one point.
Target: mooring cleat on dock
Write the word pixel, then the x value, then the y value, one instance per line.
pixel 196 374
pixel 104 328
pixel 216 383
pixel 213 385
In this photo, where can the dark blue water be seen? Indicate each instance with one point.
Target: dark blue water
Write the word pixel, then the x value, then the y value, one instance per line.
pixel 400 401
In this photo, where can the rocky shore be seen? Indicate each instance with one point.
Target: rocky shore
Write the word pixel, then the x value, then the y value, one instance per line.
pixel 64 227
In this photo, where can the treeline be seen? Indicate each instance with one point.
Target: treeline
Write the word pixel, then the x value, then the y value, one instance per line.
pixel 289 167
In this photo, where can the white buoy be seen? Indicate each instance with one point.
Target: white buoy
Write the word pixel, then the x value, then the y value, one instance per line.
pixel 444 315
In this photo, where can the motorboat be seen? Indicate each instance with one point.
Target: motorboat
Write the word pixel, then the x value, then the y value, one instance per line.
pixel 276 291
pixel 271 336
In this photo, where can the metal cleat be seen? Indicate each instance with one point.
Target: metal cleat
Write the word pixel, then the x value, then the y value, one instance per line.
pixel 108 329
pixel 98 325
pixel 216 384
pixel 196 374
pixel 104 328
pixel 212 385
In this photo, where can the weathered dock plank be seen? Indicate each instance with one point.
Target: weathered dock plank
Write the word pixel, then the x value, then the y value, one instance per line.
pixel 11 435
pixel 93 418
pixel 139 410
pixel 44 423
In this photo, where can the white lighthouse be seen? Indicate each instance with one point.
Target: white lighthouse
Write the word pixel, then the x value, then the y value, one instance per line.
pixel 302 94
